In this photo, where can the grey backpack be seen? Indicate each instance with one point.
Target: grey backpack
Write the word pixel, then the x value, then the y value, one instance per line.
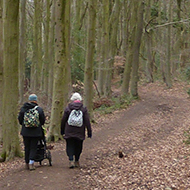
pixel 76 118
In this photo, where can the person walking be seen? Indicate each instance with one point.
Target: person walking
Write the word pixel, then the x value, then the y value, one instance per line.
pixel 31 130
pixel 74 123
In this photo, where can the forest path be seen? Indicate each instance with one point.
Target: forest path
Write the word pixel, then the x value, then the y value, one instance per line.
pixel 149 133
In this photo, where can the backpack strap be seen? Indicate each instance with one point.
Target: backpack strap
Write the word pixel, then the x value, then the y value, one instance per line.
pixel 35 107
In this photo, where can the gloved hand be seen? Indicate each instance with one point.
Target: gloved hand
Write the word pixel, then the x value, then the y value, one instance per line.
pixel 89 135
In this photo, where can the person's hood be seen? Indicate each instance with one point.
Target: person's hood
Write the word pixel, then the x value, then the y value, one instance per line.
pixel 29 105
pixel 75 105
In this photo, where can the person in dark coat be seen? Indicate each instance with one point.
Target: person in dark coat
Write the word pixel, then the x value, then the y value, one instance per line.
pixel 31 135
pixel 74 135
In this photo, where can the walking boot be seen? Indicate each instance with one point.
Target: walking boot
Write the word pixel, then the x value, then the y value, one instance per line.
pixel 31 167
pixel 77 165
pixel 71 164
pixel 27 166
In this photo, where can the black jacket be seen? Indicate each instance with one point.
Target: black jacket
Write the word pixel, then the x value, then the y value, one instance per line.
pixel 72 131
pixel 35 131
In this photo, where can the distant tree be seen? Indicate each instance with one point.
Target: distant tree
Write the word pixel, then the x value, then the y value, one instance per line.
pixel 46 62
pixel 169 34
pixel 178 44
pixel 112 50
pixel 130 31
pixel 51 53
pixel 105 48
pixel 136 49
pixel 89 63
pixel 98 64
pixel 104 45
pixel 11 146
pixel 148 44
pixel 36 74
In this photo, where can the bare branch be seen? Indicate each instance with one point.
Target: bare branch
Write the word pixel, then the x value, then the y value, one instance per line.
pixel 169 23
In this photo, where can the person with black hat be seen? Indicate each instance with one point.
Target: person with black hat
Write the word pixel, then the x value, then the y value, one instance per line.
pixel 31 131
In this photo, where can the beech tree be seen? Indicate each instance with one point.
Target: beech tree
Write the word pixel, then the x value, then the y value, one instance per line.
pixel 11 146
pixel 1 64
pixel 136 49
pixel 36 74
pixel 129 53
pixel 148 44
pixel 88 75
pixel 60 82
pixel 46 63
pixel 51 54
pixel 168 62
pixel 22 49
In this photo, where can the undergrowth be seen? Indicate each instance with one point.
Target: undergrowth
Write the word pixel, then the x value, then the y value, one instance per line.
pixel 116 104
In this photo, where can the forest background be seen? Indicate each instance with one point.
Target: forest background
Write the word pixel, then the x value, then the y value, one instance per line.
pixel 102 49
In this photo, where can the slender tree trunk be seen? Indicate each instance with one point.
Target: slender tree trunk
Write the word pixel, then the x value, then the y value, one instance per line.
pixel 67 46
pixel 129 53
pixel 136 48
pixel 105 50
pixel 104 64
pixel 182 38
pixel 51 53
pixel 22 49
pixel 148 41
pixel 11 146
pixel 37 46
pixel 168 62
pixel 113 31
pixel 178 44
pixel 46 63
pixel 1 65
pixel 125 28
pixel 100 64
pixel 88 75
pixel 62 41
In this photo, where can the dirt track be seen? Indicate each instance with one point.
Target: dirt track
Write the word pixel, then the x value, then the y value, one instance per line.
pixel 149 133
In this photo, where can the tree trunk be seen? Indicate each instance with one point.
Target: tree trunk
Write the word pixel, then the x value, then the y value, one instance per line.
pixel 136 48
pixel 103 67
pixel 168 62
pixel 11 146
pixel 148 42
pixel 129 53
pixel 46 63
pixel 105 50
pixel 62 41
pixel 37 47
pixel 100 64
pixel 1 65
pixel 113 31
pixel 88 75
pixel 51 53
pixel 22 49
pixel 178 43
pixel 125 26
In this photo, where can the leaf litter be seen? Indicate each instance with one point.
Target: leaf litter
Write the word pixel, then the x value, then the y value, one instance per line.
pixel 154 155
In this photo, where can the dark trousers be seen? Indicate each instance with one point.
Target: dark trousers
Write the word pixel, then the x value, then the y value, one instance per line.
pixel 30 148
pixel 74 148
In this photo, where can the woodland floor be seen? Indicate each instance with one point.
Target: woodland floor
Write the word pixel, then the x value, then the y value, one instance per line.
pixel 149 133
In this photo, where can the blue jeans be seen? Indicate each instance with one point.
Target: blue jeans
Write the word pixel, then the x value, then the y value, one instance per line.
pixel 74 148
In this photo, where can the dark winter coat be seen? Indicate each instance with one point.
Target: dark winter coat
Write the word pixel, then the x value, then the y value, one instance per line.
pixel 72 131
pixel 35 131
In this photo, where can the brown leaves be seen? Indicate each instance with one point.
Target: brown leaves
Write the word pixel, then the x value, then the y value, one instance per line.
pixel 156 158
pixel 138 148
